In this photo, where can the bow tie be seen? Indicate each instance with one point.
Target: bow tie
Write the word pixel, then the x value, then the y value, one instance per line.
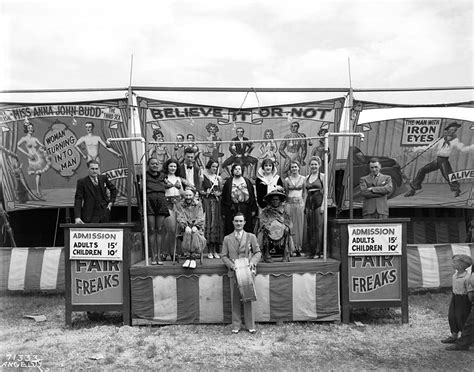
pixel 189 166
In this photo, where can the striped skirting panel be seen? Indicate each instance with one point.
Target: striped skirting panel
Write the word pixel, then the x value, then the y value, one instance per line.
pixel 205 298
pixel 37 269
pixel 32 269
pixel 431 266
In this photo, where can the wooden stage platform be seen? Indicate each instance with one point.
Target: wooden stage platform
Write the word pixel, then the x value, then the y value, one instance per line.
pixel 300 290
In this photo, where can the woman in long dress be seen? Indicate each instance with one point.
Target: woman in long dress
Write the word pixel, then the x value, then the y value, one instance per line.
pixel 38 162
pixel 159 151
pixel 314 210
pixel 238 196
pixel 210 195
pixel 294 187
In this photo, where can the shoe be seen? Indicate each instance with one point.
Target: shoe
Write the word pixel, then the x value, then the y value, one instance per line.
pixel 298 254
pixel 186 263
pixel 192 264
pixel 449 340
pixel 457 193
pixel 159 263
pixel 268 259
pixel 253 330
pixel 410 193
pixel 210 256
pixel 457 347
pixel 235 331
pixel 216 255
pixel 153 262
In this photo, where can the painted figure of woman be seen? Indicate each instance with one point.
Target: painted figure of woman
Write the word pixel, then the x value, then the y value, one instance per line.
pixel 38 162
pixel 314 210
pixel 268 150
pixel 159 151
pixel 210 195
pixel 294 186
pixel 213 148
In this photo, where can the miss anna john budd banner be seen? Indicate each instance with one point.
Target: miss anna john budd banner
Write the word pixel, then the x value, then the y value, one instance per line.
pixel 430 160
pixel 44 150
pixel 186 123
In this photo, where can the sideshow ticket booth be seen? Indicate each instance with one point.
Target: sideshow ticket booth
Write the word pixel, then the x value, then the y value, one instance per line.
pixel 373 259
pixel 98 259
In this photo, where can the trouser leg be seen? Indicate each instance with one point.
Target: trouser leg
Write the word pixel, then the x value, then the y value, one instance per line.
pixel 236 304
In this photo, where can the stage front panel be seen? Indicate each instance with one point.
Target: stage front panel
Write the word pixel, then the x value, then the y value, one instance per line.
pixel 307 290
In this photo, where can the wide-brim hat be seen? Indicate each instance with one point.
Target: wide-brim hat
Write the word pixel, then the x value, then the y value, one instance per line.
pixel 453 125
pixel 277 192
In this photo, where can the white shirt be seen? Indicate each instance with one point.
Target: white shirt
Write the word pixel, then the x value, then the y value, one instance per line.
pixel 189 175
pixel 238 234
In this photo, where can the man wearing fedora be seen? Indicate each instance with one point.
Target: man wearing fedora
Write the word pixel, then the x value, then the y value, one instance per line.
pixel 444 146
pixel 275 226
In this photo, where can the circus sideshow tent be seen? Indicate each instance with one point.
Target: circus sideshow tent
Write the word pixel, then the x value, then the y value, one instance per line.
pixel 44 148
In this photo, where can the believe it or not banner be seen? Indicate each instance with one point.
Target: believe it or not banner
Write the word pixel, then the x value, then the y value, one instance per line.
pixel 44 149
pixel 375 240
pixel 96 244
pixel 188 123
pixel 430 160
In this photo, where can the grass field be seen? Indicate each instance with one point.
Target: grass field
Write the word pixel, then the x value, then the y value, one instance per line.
pixel 382 342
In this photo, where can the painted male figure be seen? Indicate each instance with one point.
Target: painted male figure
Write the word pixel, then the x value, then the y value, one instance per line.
pixel 240 149
pixel 91 202
pixel 92 143
pixel 444 147
pixel 239 244
pixel 294 147
pixel 374 189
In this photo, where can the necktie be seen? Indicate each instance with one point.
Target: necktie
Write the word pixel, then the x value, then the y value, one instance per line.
pixel 95 181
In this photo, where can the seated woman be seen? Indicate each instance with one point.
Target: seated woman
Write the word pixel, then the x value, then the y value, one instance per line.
pixel 274 233
pixel 190 218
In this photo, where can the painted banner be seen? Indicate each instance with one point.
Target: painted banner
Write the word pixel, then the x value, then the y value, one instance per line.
pixel 44 149
pixel 430 160
pixel 189 123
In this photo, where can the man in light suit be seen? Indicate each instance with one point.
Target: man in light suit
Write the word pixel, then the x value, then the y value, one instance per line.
pixel 239 244
pixel 374 189
pixel 91 202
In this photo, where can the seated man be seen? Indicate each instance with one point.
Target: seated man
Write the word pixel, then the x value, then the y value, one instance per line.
pixel 275 226
pixel 190 217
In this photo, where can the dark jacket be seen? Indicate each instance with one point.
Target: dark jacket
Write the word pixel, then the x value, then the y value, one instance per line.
pixel 86 198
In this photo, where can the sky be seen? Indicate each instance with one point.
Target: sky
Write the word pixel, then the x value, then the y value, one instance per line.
pixel 242 43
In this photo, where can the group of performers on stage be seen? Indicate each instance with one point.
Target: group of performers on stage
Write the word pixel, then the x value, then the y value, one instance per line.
pixel 194 207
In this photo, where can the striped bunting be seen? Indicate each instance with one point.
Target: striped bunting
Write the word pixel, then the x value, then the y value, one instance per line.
pixel 430 266
pixel 187 299
pixel 32 269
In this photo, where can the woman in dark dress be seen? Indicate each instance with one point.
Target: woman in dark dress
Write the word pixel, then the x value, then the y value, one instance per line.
pixel 267 181
pixel 314 210
pixel 210 195
pixel 157 210
pixel 238 196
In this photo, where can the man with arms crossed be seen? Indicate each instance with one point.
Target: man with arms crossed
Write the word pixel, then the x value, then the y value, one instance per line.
pixel 374 189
